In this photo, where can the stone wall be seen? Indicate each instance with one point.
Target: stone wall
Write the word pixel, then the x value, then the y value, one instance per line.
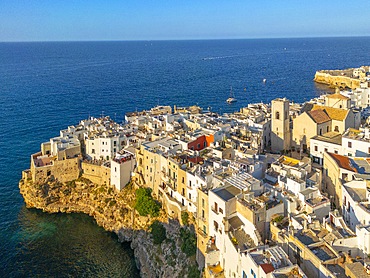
pixel 96 173
pixel 62 170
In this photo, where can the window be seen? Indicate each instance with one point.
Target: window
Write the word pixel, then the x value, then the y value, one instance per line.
pixel 198 146
pixel 304 132
pixel 221 210
pixel 202 213
pixel 202 203
pixel 183 192
pixel 316 148
pixel 336 128
pixel 320 131
pixel 190 183
pixel 368 150
pixel 326 150
pixel 277 115
pixel 205 144
pixel 93 151
pixel 215 224
pixel 327 129
pixel 115 169
pixel 349 144
pixel 336 152
pixel 189 196
pixel 183 180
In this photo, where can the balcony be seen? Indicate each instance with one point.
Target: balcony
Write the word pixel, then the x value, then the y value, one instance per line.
pixel 215 210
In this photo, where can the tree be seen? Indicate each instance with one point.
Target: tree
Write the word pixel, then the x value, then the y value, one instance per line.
pixel 145 204
pixel 158 231
pixel 189 242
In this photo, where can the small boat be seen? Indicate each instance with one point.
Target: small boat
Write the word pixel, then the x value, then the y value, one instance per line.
pixel 231 98
pixel 264 80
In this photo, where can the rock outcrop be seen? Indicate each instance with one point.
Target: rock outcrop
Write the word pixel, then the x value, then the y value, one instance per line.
pixel 336 80
pixel 114 211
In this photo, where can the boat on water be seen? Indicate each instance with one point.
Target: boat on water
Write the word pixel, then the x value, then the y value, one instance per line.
pixel 264 80
pixel 231 98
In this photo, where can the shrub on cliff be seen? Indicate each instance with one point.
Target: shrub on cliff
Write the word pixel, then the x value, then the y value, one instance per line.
pixel 193 272
pixel 189 242
pixel 185 217
pixel 145 204
pixel 158 232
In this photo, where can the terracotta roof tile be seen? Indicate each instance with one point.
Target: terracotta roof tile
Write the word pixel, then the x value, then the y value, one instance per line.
pixel 319 116
pixel 337 96
pixel 334 113
pixel 343 162
pixel 267 268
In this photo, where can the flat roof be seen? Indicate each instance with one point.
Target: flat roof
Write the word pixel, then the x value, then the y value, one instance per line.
pixel 357 194
pixel 323 252
pixel 241 181
pixel 227 193
pixel 357 269
pixel 329 137
pixel 361 165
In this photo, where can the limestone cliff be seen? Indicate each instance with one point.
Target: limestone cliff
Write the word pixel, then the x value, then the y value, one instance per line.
pixel 114 212
pixel 337 80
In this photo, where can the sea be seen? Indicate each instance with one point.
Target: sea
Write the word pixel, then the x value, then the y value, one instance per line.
pixel 46 86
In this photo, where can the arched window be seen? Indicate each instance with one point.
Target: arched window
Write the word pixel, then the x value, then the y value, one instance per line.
pixel 277 115
pixel 336 128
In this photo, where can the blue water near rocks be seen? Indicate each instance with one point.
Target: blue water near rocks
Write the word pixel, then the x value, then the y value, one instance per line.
pixel 44 87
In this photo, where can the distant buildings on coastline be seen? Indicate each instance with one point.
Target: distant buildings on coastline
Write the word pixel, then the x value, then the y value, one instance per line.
pixel 276 190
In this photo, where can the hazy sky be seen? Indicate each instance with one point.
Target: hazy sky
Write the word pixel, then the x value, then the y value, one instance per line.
pixel 59 20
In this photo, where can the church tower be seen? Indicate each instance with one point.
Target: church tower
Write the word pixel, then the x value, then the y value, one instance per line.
pixel 280 130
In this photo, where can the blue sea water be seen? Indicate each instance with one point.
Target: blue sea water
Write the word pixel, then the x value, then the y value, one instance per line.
pixel 46 86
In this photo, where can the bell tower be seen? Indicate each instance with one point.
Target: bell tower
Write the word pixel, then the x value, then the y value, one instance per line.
pixel 280 130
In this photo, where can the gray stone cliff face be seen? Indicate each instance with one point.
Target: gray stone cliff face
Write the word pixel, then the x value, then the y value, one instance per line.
pixel 114 212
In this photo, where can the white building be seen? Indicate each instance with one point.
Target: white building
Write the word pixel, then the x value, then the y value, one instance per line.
pixel 356 205
pixel 360 97
pixel 104 146
pixel 328 142
pixel 356 142
pixel 122 167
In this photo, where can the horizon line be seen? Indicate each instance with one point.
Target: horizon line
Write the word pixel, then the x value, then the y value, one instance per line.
pixel 190 39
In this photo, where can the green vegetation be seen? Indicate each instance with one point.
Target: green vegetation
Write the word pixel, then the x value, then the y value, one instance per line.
pixel 158 232
pixel 185 218
pixel 145 204
pixel 278 219
pixel 189 242
pixel 193 272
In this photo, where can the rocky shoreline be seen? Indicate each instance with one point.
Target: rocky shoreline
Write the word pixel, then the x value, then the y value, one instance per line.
pixel 115 213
